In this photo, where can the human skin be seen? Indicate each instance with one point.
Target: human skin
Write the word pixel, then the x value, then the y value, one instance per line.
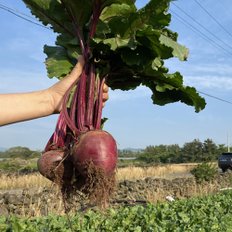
pixel 17 107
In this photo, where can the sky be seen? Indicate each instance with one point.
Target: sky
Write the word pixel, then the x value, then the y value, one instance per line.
pixel 133 120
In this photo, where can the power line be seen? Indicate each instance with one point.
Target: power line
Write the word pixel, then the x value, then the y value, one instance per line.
pixel 14 12
pixel 220 99
pixel 212 17
pixel 17 11
pixel 19 14
pixel 205 28
pixel 196 30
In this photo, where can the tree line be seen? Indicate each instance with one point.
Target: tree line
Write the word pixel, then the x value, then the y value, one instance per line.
pixel 195 151
pixel 20 152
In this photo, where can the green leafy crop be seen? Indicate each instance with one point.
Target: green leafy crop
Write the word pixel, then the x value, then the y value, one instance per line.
pixel 207 214
pixel 127 45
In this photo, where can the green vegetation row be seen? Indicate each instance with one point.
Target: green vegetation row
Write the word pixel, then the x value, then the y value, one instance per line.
pixel 206 214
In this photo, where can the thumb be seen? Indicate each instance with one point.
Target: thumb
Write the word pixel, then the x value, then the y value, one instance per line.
pixel 77 70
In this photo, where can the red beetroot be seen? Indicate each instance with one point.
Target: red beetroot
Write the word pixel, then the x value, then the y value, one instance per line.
pixel 54 166
pixel 97 146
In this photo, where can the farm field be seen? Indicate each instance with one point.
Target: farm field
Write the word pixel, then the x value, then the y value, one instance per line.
pixel 32 195
pixel 171 171
pixel 211 213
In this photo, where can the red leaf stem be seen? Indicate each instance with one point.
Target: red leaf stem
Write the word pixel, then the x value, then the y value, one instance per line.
pixel 73 108
pixel 95 18
pixel 67 118
pixel 99 105
pixel 81 102
pixel 57 140
pixel 90 98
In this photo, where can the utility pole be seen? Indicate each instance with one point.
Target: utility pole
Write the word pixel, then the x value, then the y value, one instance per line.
pixel 228 143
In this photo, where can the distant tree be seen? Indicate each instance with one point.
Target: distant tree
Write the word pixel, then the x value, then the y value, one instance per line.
pixel 148 158
pixel 222 148
pixel 129 152
pixel 151 154
pixel 20 152
pixel 195 151
pixel 210 150
pixel 174 152
pixel 161 153
pixel 150 149
pixel 192 151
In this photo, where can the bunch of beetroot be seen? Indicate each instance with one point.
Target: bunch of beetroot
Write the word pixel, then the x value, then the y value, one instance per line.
pixel 79 155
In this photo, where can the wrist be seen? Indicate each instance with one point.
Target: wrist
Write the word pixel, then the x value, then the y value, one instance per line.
pixel 55 100
pixel 51 97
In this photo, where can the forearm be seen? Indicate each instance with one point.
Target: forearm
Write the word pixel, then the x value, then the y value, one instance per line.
pixel 25 106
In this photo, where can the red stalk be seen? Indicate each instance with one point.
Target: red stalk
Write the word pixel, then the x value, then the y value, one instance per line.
pixel 99 106
pixel 67 118
pixel 90 98
pixel 81 102
pixel 57 139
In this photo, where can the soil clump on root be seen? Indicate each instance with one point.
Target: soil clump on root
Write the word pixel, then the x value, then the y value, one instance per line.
pixel 92 185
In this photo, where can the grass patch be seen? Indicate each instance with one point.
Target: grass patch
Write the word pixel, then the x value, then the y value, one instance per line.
pixel 15 181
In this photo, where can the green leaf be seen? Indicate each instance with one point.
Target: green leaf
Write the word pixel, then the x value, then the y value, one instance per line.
pixel 149 38
pixel 106 3
pixel 155 14
pixel 103 121
pixel 118 14
pixel 51 13
pixel 139 56
pixel 70 44
pixel 168 88
pixel 116 10
pixel 57 62
pixel 115 43
pixel 123 79
pixel 187 95
pixel 179 51
pixel 79 11
pixel 156 64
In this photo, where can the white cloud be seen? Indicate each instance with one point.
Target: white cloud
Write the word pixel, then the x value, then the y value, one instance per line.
pixel 210 82
pixel 219 69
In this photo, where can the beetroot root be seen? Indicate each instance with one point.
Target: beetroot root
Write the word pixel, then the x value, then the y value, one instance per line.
pixel 56 166
pixel 98 147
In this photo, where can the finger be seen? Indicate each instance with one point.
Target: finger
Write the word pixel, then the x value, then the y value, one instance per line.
pixel 105 97
pixel 105 88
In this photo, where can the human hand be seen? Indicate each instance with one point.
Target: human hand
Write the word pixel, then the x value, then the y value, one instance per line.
pixel 105 94
pixel 58 90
